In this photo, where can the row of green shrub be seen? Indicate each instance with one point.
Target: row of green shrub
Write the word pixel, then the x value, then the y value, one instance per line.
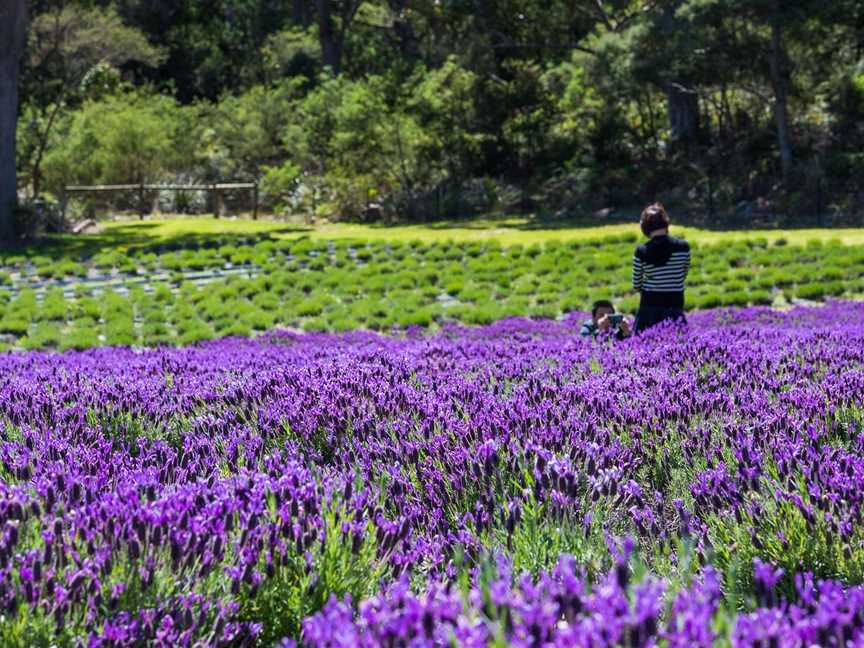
pixel 325 286
pixel 349 284
pixel 741 265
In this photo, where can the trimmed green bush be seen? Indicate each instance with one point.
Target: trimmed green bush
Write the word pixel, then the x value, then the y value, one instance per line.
pixel 195 332
pixel 810 291
pixel 761 297
pixel 400 283
pixel 120 331
pixel 12 324
pixel 43 335
pixel 79 339
pixel 53 308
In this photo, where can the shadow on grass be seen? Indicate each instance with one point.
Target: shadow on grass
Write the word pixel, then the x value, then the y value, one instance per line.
pixel 516 223
pixel 624 216
pixel 142 237
pixel 154 236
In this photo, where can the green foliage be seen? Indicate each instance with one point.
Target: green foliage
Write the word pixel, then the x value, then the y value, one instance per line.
pixel 437 111
pixel 120 331
pixel 279 184
pixel 14 324
pixel 53 308
pixel 786 539
pixel 128 138
pixel 79 339
pixel 810 291
pixel 350 144
pixel 43 335
pixel 244 135
pixel 340 566
pixel 380 285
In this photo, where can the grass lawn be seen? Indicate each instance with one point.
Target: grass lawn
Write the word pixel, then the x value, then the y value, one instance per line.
pixel 520 231
pixel 507 231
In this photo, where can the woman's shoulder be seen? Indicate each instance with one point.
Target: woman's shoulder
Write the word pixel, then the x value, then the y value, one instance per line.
pixel 679 243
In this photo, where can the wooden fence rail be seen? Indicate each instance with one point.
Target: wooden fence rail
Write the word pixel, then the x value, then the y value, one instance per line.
pixel 216 188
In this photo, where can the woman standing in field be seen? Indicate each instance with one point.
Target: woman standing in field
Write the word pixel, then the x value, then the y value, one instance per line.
pixel 659 269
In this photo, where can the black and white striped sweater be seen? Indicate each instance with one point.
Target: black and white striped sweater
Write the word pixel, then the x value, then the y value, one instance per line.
pixel 659 269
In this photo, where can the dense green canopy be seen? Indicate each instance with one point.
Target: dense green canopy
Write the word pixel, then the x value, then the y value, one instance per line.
pixel 434 108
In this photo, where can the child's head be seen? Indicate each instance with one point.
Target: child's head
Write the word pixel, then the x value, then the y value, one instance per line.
pixel 601 308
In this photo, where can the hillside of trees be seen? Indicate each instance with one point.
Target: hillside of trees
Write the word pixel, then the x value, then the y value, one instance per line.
pixel 729 110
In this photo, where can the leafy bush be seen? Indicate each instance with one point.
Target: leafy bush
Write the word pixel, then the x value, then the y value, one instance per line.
pixel 43 335
pixel 238 328
pixel 835 288
pixel 735 298
pixel 315 324
pixel 14 324
pixel 312 306
pixel 79 338
pixel 482 313
pixel 761 297
pixel 135 137
pixel 418 317
pixel 53 308
pixel 194 331
pixel 810 291
pixel 120 331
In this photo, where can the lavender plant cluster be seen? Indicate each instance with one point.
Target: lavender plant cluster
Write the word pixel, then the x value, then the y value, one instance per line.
pixel 511 484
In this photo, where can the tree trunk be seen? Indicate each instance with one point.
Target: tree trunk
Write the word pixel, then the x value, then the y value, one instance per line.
pixel 300 13
pixel 682 102
pixel 683 106
pixel 781 108
pixel 331 43
pixel 8 121
pixel 13 32
pixel 404 30
pixel 43 145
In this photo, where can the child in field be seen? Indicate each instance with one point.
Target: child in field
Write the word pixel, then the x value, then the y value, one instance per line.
pixel 660 267
pixel 605 320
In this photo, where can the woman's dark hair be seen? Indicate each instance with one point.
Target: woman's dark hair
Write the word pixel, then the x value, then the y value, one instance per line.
pixel 654 217
pixel 601 303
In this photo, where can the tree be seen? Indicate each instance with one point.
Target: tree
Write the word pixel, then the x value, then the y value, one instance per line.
pixel 244 132
pixel 759 55
pixel 682 100
pixel 212 46
pixel 134 138
pixel 779 77
pixel 68 44
pixel 334 20
pixel 13 37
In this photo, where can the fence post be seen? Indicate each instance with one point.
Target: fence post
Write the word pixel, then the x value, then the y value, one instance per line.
pixel 710 199
pixel 141 201
pixel 217 201
pixel 819 202
pixel 255 201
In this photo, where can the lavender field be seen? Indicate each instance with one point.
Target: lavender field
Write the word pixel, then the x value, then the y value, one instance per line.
pixel 510 485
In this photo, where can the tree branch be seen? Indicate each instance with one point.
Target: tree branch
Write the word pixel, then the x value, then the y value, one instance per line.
pixel 505 43
pixel 598 12
pixel 758 94
pixel 547 46
pixel 349 12
pixel 372 25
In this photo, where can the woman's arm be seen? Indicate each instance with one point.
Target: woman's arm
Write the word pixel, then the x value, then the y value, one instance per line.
pixel 638 273
pixel 687 264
